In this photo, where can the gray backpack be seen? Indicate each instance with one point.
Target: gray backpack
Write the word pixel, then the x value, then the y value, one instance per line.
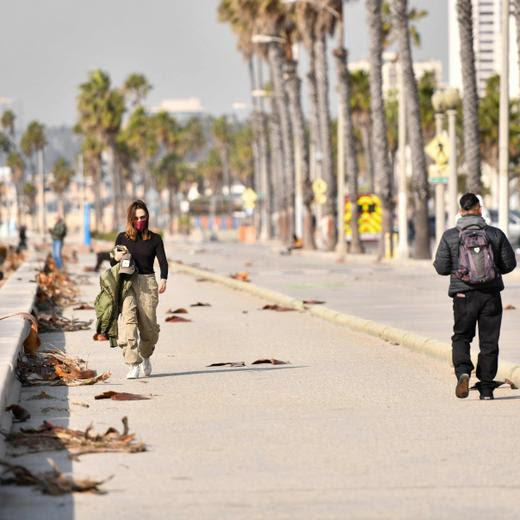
pixel 476 260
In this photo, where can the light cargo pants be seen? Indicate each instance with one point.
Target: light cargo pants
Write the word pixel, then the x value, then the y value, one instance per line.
pixel 138 327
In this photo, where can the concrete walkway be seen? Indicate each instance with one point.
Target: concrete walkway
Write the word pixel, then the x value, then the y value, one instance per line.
pixel 353 428
pixel 411 297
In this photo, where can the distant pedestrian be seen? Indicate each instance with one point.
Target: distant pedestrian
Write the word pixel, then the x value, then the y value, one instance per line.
pixel 476 256
pixel 22 237
pixel 58 233
pixel 139 330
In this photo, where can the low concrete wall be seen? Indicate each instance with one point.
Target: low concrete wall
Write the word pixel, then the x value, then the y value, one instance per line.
pixel 17 294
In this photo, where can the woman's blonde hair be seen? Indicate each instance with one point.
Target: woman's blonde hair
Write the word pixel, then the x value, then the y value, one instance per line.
pixel 131 232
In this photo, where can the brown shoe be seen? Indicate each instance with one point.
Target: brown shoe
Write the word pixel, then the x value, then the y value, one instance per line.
pixel 462 388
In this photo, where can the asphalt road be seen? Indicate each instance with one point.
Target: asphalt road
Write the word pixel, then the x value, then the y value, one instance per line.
pixel 352 428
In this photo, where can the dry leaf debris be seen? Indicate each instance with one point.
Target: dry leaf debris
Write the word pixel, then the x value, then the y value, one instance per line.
pixel 19 413
pixel 49 437
pixel 270 361
pixel 181 310
pixel 228 364
pixel 84 307
pixel 276 307
pixel 242 276
pixel 56 368
pixel 120 396
pixel 176 319
pixel 56 322
pixel 52 482
pixel 510 307
pixel 200 304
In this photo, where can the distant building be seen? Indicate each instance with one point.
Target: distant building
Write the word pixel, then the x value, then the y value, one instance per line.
pixel 182 108
pixel 487 45
pixel 390 69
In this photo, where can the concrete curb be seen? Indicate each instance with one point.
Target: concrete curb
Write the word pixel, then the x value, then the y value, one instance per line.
pixel 431 347
pixel 17 295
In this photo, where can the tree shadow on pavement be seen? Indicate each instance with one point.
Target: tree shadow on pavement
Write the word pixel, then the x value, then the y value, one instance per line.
pixel 223 370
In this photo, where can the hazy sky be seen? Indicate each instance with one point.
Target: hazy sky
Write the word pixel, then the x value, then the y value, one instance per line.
pixel 48 47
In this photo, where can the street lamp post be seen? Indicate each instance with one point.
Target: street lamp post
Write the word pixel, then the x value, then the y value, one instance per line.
pixel 503 133
pixel 438 106
pixel 402 207
pixel 451 101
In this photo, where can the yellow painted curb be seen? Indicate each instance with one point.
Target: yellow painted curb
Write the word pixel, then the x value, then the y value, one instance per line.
pixel 422 344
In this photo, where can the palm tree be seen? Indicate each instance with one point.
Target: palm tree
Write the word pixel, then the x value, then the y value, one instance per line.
pixel 7 122
pixel 242 23
pixel 170 175
pixel 325 24
pixel 345 112
pixel 100 113
pixel 33 142
pixel 274 19
pixel 29 196
pixel 136 87
pixel 17 165
pixel 361 113
pixel 91 150
pixel 140 134
pixel 62 174
pixel 420 177
pixel 470 97
pixel 379 131
pixel 221 131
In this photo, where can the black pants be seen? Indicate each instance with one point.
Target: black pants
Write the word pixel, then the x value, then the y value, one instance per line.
pixel 486 310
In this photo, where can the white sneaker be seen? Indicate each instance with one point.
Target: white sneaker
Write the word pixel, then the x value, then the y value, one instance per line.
pixel 147 367
pixel 134 372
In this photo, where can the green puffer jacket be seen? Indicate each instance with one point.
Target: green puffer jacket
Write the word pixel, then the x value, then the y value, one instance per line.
pixel 114 288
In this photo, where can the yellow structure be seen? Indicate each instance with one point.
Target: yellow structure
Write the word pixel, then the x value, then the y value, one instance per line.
pixel 370 215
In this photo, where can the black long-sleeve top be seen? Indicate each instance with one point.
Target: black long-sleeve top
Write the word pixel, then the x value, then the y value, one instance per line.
pixel 144 252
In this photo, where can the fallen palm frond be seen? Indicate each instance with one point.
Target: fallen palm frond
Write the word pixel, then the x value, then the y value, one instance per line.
pixel 176 319
pixel 228 364
pixel 49 437
pixel 276 307
pixel 180 310
pixel 270 361
pixel 56 322
pixel 200 304
pixel 52 482
pixel 120 396
pixel 55 288
pixel 32 341
pixel 56 368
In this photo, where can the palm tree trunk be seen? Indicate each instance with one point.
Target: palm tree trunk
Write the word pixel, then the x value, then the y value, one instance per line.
pixel 171 208
pixel 61 202
pixel 301 147
pixel 351 163
pixel 322 83
pixel 470 97
pixel 413 116
pixel 366 136
pixel 315 139
pixel 276 63
pixel 379 132
pixel 255 128
pixel 277 178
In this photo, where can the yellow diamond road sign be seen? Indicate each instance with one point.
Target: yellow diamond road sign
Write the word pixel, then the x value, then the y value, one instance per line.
pixel 438 149
pixel 319 187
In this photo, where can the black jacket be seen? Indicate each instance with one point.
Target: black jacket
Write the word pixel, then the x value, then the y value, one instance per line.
pixel 447 256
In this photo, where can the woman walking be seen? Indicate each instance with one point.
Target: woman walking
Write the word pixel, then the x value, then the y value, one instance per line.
pixel 138 313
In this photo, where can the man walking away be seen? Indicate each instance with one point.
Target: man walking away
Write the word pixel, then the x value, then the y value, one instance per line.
pixel 476 256
pixel 58 233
